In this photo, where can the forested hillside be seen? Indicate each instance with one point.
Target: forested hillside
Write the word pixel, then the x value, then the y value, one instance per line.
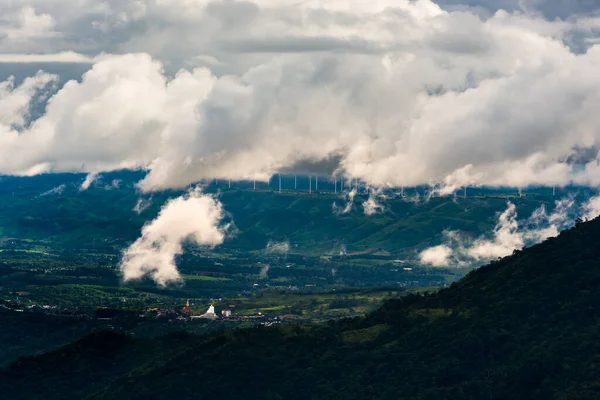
pixel 50 211
pixel 524 327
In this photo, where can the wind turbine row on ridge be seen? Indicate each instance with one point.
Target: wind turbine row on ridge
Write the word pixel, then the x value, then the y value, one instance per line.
pixel 352 183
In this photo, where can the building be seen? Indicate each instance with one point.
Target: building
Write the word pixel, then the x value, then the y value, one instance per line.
pixel 209 314
pixel 187 310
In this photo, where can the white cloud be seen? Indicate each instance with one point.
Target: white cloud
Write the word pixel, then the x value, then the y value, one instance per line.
pixel 371 205
pixel 348 198
pixel 87 182
pixel 277 247
pixel 142 205
pixel 15 103
pixel 509 234
pixel 592 208
pixel 437 256
pixel 62 57
pixel 398 92
pixel 506 238
pixel 550 8
pixel 195 217
pixel 57 191
pixel 123 114
pixel 26 24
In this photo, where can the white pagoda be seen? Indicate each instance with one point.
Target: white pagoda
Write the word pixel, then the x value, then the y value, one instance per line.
pixel 209 314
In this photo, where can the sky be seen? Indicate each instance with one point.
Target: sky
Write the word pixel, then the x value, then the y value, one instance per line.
pixel 450 93
pixel 392 92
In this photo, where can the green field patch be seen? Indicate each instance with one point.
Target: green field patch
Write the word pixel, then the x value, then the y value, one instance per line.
pixel 274 308
pixel 205 278
pixel 27 251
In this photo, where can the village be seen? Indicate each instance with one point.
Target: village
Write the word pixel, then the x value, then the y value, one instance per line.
pixel 184 313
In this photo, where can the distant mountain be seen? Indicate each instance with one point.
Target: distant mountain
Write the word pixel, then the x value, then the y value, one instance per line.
pixel 524 327
pixel 52 208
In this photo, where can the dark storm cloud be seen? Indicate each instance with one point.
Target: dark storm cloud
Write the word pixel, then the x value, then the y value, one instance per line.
pixel 325 167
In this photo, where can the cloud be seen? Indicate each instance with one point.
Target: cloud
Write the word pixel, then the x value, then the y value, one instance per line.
pixel 142 205
pixel 348 197
pixel 437 256
pixel 26 24
pixel 506 238
pixel 591 209
pixel 114 184
pixel 89 179
pixel 508 235
pixel 395 93
pixel 549 8
pixel 195 217
pixel 16 102
pixel 63 57
pixel 264 270
pixel 371 206
pixel 113 119
pixel 277 247
pixel 57 190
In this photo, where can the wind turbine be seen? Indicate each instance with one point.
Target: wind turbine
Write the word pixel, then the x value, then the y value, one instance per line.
pixel 309 184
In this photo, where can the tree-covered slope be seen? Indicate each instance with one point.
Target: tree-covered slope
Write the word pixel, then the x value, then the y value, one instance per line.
pixel 51 209
pixel 525 327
